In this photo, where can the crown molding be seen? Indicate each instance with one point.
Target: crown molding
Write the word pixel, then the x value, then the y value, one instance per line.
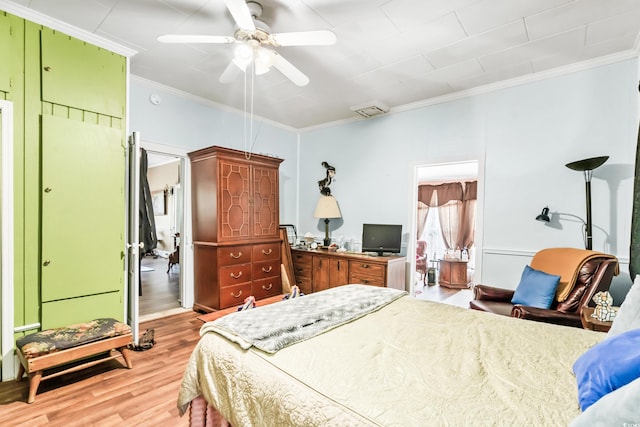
pixel 493 87
pixel 208 102
pixel 71 30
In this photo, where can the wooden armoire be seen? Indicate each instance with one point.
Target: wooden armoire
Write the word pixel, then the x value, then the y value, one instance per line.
pixel 236 240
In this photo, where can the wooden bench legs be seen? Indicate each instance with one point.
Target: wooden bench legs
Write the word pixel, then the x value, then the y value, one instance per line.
pixel 35 366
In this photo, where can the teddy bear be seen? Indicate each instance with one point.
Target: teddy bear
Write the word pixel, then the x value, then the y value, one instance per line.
pixel 604 310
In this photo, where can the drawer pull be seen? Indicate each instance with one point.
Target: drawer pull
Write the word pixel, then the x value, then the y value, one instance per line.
pixel 235 256
pixel 267 270
pixel 267 252
pixel 236 276
pixel 365 265
pixel 237 296
pixel 267 288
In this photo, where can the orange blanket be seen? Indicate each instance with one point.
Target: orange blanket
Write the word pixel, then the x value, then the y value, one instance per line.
pixel 566 263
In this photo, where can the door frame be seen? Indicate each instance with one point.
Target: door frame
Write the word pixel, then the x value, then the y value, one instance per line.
pixel 411 247
pixel 186 290
pixel 7 234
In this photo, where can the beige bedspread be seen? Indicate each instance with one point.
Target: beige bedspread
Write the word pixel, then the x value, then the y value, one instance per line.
pixel 412 363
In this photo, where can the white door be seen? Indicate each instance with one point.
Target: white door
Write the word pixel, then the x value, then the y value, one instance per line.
pixel 6 234
pixel 133 234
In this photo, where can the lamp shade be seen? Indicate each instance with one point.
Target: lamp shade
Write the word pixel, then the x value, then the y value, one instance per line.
pixel 327 207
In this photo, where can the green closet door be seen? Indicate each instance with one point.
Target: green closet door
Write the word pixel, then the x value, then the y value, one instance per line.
pixel 83 209
pixel 6 52
pixel 79 75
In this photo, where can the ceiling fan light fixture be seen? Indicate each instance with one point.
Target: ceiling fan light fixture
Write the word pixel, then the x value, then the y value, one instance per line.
pixel 263 61
pixel 243 55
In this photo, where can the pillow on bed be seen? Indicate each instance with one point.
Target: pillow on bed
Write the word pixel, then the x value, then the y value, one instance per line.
pixel 536 288
pixel 618 408
pixel 628 316
pixel 607 366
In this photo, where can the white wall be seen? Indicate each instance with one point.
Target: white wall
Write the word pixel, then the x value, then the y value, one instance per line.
pixel 524 135
pixel 190 123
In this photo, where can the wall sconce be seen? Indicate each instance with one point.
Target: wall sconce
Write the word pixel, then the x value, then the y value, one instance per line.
pixel 553 220
pixel 587 166
pixel 326 208
pixel 544 215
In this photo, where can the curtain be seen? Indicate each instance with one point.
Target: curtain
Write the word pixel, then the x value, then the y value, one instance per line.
pixel 423 211
pixel 456 203
pixel 468 215
pixel 450 222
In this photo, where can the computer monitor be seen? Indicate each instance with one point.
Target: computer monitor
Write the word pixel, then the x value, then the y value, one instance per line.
pixel 381 238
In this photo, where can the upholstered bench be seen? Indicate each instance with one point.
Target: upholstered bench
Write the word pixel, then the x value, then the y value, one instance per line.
pixel 54 348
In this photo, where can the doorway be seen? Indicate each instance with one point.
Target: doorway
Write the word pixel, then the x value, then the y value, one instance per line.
pixel 427 222
pixel 165 270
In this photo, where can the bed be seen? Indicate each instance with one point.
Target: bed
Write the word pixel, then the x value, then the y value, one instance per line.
pixel 408 362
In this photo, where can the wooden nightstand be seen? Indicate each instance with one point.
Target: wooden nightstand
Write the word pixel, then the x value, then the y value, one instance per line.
pixel 592 323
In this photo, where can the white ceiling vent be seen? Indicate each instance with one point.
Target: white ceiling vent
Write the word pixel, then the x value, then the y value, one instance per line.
pixel 370 109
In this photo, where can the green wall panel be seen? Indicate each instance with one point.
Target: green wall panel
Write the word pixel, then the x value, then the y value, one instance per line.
pixel 6 49
pixel 80 75
pixel 83 209
pixel 67 312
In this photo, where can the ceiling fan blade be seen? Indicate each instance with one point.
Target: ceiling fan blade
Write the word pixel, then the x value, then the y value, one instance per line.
pixel 180 38
pixel 289 70
pixel 241 14
pixel 230 73
pixel 304 38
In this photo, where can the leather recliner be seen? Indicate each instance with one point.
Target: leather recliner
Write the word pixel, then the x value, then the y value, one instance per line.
pixel 593 275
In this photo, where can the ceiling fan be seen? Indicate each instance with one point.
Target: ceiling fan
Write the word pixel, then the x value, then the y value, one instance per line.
pixel 252 38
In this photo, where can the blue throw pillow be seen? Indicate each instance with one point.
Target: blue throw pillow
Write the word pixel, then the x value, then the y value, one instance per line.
pixel 607 366
pixel 536 288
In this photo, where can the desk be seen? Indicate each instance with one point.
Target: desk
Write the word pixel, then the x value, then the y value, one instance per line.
pixel 592 323
pixel 453 274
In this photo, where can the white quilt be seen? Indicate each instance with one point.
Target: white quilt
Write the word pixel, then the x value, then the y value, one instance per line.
pixel 411 363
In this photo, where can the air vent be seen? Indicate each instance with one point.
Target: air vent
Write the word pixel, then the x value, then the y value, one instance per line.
pixel 371 109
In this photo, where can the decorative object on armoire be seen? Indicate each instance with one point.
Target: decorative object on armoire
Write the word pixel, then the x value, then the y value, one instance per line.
pixel 324 183
pixel 544 215
pixel 326 208
pixel 587 166
pixel 236 232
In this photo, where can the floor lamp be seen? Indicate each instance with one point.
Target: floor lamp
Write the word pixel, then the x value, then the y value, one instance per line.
pixel 326 208
pixel 587 166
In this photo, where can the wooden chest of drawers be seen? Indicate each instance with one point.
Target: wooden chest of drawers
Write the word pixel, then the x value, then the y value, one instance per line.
pixel 236 240
pixel 226 275
pixel 316 270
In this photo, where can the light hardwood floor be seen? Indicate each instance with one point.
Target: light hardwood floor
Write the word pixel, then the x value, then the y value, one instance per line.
pixel 109 394
pixel 160 290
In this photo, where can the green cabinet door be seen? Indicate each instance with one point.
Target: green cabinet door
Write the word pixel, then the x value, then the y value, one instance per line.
pixel 79 75
pixel 7 53
pixel 83 209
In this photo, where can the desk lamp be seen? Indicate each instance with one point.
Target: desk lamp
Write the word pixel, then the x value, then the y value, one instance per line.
pixel 326 208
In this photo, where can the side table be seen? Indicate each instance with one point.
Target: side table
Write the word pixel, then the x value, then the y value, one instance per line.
pixel 592 323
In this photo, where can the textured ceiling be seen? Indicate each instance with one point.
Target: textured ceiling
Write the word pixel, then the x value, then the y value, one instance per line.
pixel 398 52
